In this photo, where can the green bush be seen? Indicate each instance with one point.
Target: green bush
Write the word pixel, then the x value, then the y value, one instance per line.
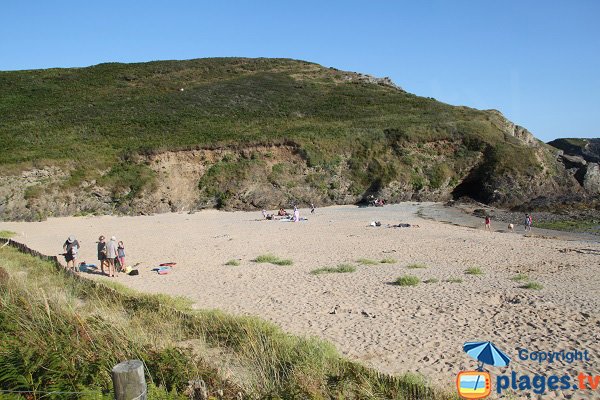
pixel 271 259
pixel 407 280
pixel 473 271
pixel 340 268
pixel 532 286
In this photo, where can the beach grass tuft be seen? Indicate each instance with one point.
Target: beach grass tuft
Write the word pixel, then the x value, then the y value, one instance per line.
pixel 389 261
pixel 416 266
pixel 532 285
pixel 407 280
pixel 474 271
pixel 271 259
pixel 7 234
pixel 233 262
pixel 520 277
pixel 366 261
pixel 340 268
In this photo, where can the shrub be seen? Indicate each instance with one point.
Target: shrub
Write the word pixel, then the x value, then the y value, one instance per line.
pixel 271 259
pixel 454 280
pixel 389 261
pixel 340 268
pixel 407 280
pixel 233 262
pixel 532 286
pixel 416 266
pixel 520 277
pixel 474 271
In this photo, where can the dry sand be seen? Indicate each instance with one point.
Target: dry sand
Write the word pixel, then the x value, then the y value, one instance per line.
pixel 418 328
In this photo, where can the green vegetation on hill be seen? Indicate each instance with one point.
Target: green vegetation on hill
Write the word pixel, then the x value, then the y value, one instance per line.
pixel 100 124
pixel 59 333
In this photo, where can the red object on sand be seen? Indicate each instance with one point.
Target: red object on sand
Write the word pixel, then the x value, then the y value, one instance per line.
pixel 169 264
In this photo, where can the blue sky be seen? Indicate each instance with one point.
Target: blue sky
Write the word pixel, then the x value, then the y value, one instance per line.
pixel 536 61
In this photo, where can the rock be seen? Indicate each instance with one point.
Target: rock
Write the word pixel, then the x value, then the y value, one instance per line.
pixel 511 129
pixel 591 180
pixel 571 161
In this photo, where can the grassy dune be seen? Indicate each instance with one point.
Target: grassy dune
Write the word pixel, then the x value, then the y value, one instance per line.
pixel 62 333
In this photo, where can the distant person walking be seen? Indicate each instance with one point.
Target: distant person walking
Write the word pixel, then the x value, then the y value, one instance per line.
pixel 71 249
pixel 111 255
pixel 312 208
pixel 102 253
pixel 121 255
pixel 488 223
pixel 528 221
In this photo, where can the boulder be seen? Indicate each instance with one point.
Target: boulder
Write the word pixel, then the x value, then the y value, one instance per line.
pixel 591 180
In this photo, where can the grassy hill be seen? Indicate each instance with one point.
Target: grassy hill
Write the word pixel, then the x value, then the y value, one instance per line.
pixel 103 128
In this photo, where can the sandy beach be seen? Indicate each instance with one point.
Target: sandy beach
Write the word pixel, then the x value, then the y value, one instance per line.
pixel 419 329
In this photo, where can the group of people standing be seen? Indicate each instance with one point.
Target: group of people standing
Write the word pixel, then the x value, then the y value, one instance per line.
pixel 111 255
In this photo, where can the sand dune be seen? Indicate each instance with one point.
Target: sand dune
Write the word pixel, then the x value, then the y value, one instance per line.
pixel 419 328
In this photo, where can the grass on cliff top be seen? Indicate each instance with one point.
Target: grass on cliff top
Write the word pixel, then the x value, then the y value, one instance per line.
pixel 7 234
pixel 63 334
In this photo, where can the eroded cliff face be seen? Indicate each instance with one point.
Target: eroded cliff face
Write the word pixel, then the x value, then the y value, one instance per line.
pixel 257 177
pixel 252 178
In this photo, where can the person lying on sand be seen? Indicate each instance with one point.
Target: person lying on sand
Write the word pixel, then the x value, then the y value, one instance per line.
pixel 403 225
pixel 282 213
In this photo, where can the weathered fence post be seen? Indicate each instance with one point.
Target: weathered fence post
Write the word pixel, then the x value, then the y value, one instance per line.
pixel 129 381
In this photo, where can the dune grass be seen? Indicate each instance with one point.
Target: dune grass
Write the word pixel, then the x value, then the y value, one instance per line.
pixel 407 280
pixel 340 268
pixel 454 280
pixel 532 285
pixel 520 277
pixel 63 333
pixel 389 261
pixel 366 261
pixel 7 234
pixel 474 271
pixel 271 259
pixel 233 262
pixel 416 266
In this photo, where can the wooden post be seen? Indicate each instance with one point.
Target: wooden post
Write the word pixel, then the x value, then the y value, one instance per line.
pixel 129 381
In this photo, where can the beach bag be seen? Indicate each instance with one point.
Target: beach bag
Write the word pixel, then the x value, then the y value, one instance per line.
pixel 134 272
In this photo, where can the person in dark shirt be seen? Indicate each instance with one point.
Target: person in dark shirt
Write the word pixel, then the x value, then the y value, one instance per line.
pixel 71 249
pixel 102 252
